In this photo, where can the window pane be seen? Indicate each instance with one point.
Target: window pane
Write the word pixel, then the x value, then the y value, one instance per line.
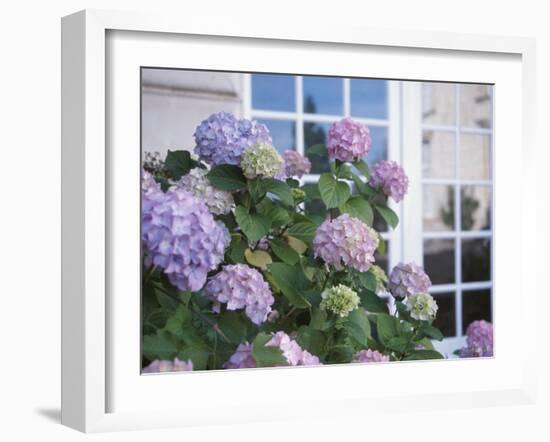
pixel 323 95
pixel 379 147
pixel 273 92
pixel 475 157
pixel 315 133
pixel 438 154
pixel 438 207
pixel 439 260
pixel 475 105
pixel 382 261
pixel 369 98
pixel 476 260
pixel 283 133
pixel 445 319
pixel 438 103
pixel 475 207
pixel 476 305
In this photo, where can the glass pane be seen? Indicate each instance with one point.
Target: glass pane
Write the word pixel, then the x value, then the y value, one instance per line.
pixel 475 157
pixel 438 154
pixel 369 98
pixel 445 319
pixel 438 103
pixel 315 133
pixel 476 305
pixel 379 147
pixel 382 261
pixel 439 260
pixel 475 207
pixel 323 95
pixel 273 92
pixel 283 133
pixel 475 105
pixel 438 212
pixel 476 260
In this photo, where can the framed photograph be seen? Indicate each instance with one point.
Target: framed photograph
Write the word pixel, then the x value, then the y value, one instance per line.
pixel 251 212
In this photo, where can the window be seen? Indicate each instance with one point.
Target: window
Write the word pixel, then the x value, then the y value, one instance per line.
pixel 303 121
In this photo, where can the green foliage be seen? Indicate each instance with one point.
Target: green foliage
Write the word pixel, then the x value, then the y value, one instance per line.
pixel 358 207
pixel 266 356
pixel 334 193
pixel 284 252
pixel 254 225
pixel 227 177
pixel 388 214
pixel 179 163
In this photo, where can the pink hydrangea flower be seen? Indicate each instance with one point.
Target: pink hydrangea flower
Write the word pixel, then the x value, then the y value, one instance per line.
pixel 348 140
pixel 368 356
pixel 295 165
pixel 346 241
pixel 479 340
pixel 164 366
pixel 242 358
pixel 408 279
pixel 391 177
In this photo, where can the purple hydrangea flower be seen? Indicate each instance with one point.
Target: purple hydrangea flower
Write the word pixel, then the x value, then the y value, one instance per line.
pixel 408 279
pixel 148 182
pixel 479 340
pixel 240 286
pixel 348 140
pixel 163 366
pixel 367 356
pixel 218 201
pixel 222 138
pixel 181 237
pixel 295 164
pixel 346 241
pixel 242 358
pixel 391 177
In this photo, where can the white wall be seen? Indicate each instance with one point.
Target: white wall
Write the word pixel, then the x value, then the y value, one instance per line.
pixel 30 183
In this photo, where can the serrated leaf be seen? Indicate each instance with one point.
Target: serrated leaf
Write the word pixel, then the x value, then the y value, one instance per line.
pixel 267 356
pixel 388 214
pixel 273 212
pixel 258 258
pixel 284 252
pixel 368 280
pixel 303 231
pixel 358 326
pixel 358 207
pixel 254 226
pixel 178 163
pixel 334 193
pixel 226 177
pixel 290 280
pixel 386 327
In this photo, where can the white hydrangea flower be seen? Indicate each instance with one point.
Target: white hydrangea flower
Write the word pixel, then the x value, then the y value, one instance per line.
pixel 422 306
pixel 340 300
pixel 218 201
pixel 261 160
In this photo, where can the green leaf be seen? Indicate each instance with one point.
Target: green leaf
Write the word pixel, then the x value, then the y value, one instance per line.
pixel 303 231
pixel 237 248
pixel 334 193
pixel 388 214
pixel 418 355
pixel 372 302
pixel 311 190
pixel 227 177
pixel 284 251
pixel 398 344
pixel 272 211
pixel 368 280
pixel 381 249
pixel 290 280
pixel 197 352
pixel 279 189
pixel 266 356
pixel 258 258
pixel 358 207
pixel 311 340
pixel 386 327
pixel 159 346
pixel 362 187
pixel 431 332
pixel 175 323
pixel 233 325
pixel 178 163
pixel 362 167
pixel 319 319
pixel 317 149
pixel 294 184
pixel 296 244
pixel 254 226
pixel 358 326
pixel 426 343
pixel 256 189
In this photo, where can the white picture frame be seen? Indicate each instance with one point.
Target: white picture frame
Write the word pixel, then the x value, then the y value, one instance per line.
pixel 91 211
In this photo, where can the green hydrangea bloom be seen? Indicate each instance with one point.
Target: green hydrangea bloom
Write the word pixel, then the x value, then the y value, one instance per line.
pixel 261 160
pixel 380 275
pixel 422 306
pixel 340 300
pixel 298 195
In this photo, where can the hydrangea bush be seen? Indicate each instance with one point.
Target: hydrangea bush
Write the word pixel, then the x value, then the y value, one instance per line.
pixel 237 273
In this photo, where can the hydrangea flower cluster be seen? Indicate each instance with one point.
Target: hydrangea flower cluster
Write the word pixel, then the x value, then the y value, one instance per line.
pixel 261 160
pixel 164 366
pixel 295 164
pixel 240 286
pixel 181 237
pixel 391 177
pixel 368 356
pixel 148 183
pixel 218 201
pixel 422 306
pixel 340 300
pixel 222 138
pixel 346 241
pixel 408 279
pixel 348 140
pixel 242 358
pixel 479 340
